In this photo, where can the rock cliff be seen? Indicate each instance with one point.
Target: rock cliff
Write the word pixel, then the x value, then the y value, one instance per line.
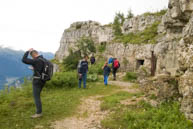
pixel 77 30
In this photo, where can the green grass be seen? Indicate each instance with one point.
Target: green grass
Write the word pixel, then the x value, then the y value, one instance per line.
pixel 144 116
pixel 111 102
pixel 130 76
pixel 148 36
pixel 159 13
pixel 58 103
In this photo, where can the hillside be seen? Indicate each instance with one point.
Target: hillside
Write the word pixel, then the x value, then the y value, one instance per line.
pixel 11 66
pixel 153 89
pixel 157 46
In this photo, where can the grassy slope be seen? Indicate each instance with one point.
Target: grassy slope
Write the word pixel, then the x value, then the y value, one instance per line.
pixel 142 115
pixel 59 103
pixel 16 108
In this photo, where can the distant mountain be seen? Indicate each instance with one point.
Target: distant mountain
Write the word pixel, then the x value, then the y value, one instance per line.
pixel 11 66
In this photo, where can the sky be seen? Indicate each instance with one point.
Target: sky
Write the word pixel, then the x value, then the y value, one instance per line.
pixel 39 24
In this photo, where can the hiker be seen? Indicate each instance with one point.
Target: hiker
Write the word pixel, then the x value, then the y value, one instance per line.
pixel 38 64
pixel 106 72
pixel 110 60
pixel 92 60
pixel 115 67
pixel 83 71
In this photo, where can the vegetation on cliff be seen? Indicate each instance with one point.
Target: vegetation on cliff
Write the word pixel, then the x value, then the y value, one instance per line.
pixel 158 13
pixel 147 36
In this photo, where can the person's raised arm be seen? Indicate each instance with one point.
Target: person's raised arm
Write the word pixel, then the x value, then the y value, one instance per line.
pixel 27 60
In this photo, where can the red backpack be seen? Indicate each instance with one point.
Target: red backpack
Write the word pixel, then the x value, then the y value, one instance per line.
pixel 116 64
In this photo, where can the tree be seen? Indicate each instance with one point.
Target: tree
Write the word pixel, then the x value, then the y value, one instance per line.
pixel 130 14
pixel 121 17
pixel 86 46
pixel 117 23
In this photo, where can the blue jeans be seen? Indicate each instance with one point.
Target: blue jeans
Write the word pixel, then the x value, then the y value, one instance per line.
pixel 106 79
pixel 84 77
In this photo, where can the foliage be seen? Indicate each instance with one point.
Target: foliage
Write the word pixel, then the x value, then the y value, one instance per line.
pixel 92 77
pixel 108 25
pixel 86 46
pixel 158 13
pixel 71 61
pixel 63 79
pixel 144 116
pixel 130 14
pixel 130 76
pixel 17 105
pixel 96 68
pixel 149 35
pixel 102 47
pixel 117 23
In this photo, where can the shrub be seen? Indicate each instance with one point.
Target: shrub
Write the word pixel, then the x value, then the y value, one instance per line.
pixel 92 77
pixel 86 46
pixel 159 13
pixel 130 76
pixel 102 47
pixel 96 68
pixel 71 61
pixel 63 79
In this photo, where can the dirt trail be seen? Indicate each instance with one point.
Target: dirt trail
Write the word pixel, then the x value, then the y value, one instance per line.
pixel 90 114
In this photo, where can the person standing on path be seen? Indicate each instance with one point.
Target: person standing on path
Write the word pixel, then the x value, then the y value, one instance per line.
pixel 115 67
pixel 38 84
pixel 83 72
pixel 106 73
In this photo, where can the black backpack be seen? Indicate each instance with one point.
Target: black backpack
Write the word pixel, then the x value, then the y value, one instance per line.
pixel 47 72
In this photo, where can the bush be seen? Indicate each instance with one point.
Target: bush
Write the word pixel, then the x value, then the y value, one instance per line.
pixel 102 47
pixel 130 76
pixel 92 77
pixel 63 79
pixel 159 13
pixel 96 68
pixel 86 46
pixel 71 61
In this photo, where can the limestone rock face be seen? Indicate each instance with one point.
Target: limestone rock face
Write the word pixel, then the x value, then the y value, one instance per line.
pixel 79 29
pixel 186 70
pixel 139 23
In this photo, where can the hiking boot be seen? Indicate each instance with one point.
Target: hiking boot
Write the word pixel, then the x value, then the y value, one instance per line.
pixel 36 116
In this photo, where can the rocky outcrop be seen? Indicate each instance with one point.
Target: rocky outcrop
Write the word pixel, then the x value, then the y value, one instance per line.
pixel 163 88
pixel 79 29
pixel 178 23
pixel 139 23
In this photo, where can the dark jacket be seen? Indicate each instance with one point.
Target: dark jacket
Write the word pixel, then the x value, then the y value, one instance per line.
pixel 106 70
pixel 92 60
pixel 83 67
pixel 37 64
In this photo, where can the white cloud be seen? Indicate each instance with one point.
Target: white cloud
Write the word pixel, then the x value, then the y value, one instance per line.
pixel 40 23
